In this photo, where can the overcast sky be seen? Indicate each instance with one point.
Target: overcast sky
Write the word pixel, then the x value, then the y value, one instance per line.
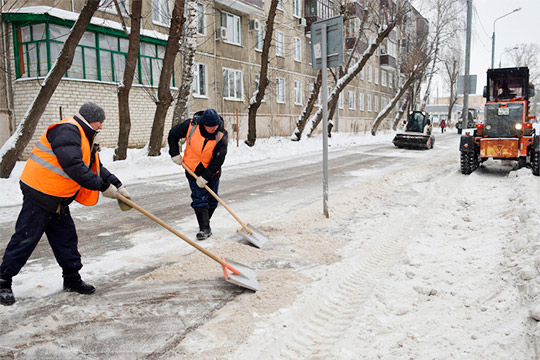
pixel 519 27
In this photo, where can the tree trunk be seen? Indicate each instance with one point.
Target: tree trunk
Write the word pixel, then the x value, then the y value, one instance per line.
pixel 263 78
pixel 164 91
pixel 14 147
pixel 124 117
pixel 304 116
pixel 382 115
pixel 400 112
pixel 190 46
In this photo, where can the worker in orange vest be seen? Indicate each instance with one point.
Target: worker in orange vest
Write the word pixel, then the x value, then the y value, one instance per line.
pixel 206 147
pixel 63 166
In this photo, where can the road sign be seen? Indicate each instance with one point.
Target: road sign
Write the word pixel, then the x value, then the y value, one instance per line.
pixel 334 42
pixel 461 84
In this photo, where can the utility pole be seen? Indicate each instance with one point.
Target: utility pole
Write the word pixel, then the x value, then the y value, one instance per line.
pixel 465 112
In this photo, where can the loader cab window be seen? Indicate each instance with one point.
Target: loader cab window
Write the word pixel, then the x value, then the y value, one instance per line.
pixel 416 122
pixel 506 89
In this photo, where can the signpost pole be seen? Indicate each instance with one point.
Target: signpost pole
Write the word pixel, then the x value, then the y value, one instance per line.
pixel 325 119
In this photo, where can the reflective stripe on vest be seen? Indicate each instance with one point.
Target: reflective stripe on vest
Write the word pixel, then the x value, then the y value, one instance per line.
pixel 195 153
pixel 44 173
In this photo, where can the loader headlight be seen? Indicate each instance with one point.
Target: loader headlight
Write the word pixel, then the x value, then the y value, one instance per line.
pixel 518 126
pixel 488 127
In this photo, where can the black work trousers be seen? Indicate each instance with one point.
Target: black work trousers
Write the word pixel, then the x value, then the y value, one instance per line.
pixel 32 223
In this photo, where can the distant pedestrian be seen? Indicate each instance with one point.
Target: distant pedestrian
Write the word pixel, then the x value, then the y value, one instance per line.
pixel 443 125
pixel 206 147
pixel 64 166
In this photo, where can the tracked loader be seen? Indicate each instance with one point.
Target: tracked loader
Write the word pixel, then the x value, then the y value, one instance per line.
pixel 417 132
pixel 507 132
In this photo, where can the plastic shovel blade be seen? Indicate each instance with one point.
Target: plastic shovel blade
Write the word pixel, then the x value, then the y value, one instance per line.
pixel 257 238
pixel 247 277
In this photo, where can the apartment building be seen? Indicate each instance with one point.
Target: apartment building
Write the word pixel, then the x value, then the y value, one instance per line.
pixel 230 34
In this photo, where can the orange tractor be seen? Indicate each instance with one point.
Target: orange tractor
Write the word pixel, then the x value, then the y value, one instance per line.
pixel 507 132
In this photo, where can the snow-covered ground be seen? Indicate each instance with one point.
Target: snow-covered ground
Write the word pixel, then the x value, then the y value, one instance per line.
pixel 420 262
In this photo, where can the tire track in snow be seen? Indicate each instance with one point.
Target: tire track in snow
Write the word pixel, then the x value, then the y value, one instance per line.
pixel 324 313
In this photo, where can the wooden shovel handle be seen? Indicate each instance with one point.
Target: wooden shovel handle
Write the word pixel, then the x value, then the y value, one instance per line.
pixel 180 235
pixel 218 199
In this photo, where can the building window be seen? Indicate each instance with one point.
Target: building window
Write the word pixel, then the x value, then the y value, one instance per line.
pixel 352 100
pixel 201 20
pixel 297 8
pixel 199 80
pixel 160 12
pixel 280 44
pixel 362 74
pixel 259 38
pixel 280 90
pixel 234 30
pixel 376 104
pixel 97 56
pixel 376 76
pixel 297 92
pixel 390 79
pixel 297 49
pixel 340 100
pixel 361 102
pixel 280 5
pixel 369 73
pixel 383 78
pixel 108 6
pixel 232 84
pixel 369 108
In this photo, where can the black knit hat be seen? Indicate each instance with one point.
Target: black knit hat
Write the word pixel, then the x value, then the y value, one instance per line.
pixel 210 117
pixel 92 112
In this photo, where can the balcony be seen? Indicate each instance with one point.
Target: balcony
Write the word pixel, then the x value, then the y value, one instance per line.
pixel 245 6
pixel 354 9
pixel 387 62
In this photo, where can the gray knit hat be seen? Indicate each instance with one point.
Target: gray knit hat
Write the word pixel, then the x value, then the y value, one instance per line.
pixel 92 112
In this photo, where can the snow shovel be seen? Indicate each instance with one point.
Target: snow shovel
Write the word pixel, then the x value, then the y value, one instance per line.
pixel 248 232
pixel 239 274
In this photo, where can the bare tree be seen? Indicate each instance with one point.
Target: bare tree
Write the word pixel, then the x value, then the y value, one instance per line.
pixel 452 63
pixel 306 112
pixel 120 152
pixel 165 98
pixel 13 148
pixel 388 18
pixel 528 55
pixel 443 28
pixel 189 47
pixel 258 95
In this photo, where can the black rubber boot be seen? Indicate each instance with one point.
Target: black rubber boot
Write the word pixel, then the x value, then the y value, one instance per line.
pixel 6 294
pixel 210 213
pixel 74 283
pixel 204 223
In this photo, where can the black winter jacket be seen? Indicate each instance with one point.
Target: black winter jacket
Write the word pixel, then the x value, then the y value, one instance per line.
pixel 213 171
pixel 65 140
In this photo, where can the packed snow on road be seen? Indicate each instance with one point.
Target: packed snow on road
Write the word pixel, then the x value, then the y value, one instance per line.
pixel 416 261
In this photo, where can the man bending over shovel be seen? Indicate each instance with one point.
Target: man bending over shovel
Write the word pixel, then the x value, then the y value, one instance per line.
pixel 206 147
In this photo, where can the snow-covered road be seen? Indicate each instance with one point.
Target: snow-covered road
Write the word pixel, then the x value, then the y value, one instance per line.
pixel 416 261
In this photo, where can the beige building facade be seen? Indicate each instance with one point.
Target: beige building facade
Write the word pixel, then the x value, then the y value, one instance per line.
pixel 226 65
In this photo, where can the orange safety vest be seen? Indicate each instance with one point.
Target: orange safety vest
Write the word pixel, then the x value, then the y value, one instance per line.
pixel 194 153
pixel 44 173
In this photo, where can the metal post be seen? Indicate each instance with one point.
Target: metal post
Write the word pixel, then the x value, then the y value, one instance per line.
pixel 465 112
pixel 493 36
pixel 325 120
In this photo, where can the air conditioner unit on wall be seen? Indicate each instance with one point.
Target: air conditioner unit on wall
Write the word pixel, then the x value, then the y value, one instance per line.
pixel 221 33
pixel 301 22
pixel 254 25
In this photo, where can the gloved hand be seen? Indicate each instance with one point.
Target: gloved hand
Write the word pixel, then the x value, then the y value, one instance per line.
pixel 201 182
pixel 123 191
pixel 111 192
pixel 177 159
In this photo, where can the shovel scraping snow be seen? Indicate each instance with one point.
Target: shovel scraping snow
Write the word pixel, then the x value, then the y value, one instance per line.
pixel 238 274
pixel 248 232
